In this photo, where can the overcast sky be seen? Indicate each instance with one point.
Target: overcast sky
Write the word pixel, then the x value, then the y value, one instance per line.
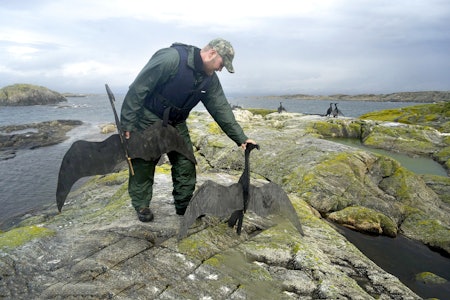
pixel 282 47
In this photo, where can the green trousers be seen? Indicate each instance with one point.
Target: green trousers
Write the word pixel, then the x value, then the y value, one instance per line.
pixel 140 186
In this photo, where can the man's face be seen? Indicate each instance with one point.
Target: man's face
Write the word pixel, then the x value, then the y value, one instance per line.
pixel 213 62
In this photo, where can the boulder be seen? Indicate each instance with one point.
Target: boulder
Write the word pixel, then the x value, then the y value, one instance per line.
pixel 430 278
pixel 108 128
pixel 28 94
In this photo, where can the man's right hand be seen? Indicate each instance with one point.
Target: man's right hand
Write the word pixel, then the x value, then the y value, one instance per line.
pixel 127 134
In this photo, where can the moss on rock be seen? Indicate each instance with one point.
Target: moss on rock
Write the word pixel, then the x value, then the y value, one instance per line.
pixel 213 128
pixel 21 235
pixel 261 111
pixel 440 185
pixel 164 169
pixel 430 231
pixel 338 128
pixel 435 115
pixel 365 220
pixel 406 139
pixel 430 278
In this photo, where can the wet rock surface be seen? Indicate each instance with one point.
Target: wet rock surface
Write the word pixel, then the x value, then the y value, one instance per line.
pixel 35 135
pixel 100 250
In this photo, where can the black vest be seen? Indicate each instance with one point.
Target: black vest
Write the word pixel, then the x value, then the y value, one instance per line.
pixel 173 101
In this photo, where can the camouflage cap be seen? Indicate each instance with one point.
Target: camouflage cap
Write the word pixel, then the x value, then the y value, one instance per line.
pixel 225 50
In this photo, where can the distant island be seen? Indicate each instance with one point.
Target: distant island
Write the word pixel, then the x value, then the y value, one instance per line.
pixel 420 97
pixel 22 94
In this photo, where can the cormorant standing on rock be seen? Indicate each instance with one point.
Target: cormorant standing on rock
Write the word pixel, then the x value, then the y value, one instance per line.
pixel 336 111
pixel 329 110
pixel 281 108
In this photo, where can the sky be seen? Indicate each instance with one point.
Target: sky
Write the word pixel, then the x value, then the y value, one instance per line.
pixel 282 47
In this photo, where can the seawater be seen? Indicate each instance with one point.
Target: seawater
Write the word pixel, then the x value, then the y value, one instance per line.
pixel 28 181
pixel 404 258
pixel 416 164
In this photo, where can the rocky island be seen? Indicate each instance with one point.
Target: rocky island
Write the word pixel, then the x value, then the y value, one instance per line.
pixel 28 94
pixel 96 248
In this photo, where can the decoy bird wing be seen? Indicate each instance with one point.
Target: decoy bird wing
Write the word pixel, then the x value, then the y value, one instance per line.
pixel 271 199
pixel 156 140
pixel 86 159
pixel 212 199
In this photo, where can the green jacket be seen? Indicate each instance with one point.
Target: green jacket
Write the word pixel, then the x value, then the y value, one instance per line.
pixel 161 67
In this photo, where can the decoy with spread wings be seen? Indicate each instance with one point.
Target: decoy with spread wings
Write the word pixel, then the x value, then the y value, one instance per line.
pixel 98 158
pixel 214 199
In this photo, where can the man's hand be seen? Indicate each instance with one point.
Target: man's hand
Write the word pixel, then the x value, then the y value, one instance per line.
pixel 127 134
pixel 246 142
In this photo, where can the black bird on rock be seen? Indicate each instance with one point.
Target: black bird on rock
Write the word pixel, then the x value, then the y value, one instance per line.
pixel 221 201
pixel 281 108
pixel 329 110
pixel 336 111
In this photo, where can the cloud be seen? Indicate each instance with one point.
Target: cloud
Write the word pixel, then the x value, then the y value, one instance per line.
pixel 281 47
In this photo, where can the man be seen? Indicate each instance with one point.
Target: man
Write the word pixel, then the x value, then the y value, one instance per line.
pixel 167 88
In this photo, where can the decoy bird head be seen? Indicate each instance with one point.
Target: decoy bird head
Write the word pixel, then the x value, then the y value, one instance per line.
pixel 249 147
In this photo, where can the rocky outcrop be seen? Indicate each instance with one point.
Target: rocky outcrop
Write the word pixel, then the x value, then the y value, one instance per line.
pixel 414 130
pixel 435 115
pixel 97 248
pixel 28 94
pixel 35 135
pixel 430 134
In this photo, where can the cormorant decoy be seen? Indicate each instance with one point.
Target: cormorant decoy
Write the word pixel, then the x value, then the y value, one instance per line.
pixel 98 158
pixel 221 201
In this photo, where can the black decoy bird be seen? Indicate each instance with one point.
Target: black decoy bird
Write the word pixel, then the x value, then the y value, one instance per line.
pixel 98 158
pixel 221 201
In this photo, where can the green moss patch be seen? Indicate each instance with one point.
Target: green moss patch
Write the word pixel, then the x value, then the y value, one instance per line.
pixel 338 128
pixel 366 220
pixel 430 231
pixel 164 169
pixel 430 278
pixel 213 128
pixel 21 235
pixel 261 111
pixel 435 115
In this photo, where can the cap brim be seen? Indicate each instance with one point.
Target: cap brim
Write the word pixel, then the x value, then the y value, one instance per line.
pixel 227 64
